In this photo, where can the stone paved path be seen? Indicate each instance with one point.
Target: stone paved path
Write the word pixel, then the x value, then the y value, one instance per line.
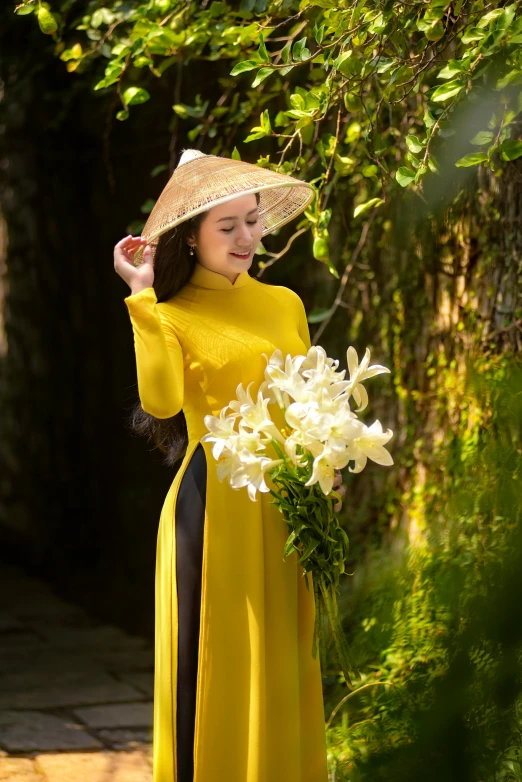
pixel 75 695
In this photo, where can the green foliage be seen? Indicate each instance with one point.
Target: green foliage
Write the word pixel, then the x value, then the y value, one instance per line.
pixel 391 76
pixel 437 628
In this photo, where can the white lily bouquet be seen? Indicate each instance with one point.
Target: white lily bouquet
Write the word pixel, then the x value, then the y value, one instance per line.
pixel 321 434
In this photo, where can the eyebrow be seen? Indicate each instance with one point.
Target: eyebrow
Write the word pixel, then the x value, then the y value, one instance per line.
pixel 233 217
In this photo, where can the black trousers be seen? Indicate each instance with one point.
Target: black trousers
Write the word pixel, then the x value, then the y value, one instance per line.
pixel 189 522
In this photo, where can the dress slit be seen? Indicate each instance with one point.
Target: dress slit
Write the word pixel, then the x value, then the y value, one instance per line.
pixel 189 525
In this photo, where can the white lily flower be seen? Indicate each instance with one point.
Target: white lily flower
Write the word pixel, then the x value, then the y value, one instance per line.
pixel 257 417
pixel 360 372
pixel 291 449
pixel 301 417
pixel 251 473
pixel 221 429
pixel 244 440
pixel 320 369
pixel 227 463
pixel 325 464
pixel 252 441
pixel 276 359
pixel 338 427
pixel 243 397
pixel 268 392
pixel 285 378
pixel 370 445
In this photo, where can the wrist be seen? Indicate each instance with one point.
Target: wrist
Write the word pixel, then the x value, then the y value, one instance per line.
pixel 138 289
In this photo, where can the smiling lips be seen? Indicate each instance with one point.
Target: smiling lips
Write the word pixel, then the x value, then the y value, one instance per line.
pixel 241 255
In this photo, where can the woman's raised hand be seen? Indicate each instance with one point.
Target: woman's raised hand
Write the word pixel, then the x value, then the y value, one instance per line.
pixel 136 277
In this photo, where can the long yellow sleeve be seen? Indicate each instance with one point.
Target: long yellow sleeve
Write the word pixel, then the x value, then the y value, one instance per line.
pixel 159 357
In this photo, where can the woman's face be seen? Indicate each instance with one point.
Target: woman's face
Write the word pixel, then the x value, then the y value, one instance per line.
pixel 226 230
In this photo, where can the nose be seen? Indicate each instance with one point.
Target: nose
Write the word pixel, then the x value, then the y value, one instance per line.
pixel 245 235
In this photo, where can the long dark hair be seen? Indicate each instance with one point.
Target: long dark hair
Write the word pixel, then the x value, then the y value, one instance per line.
pixel 173 267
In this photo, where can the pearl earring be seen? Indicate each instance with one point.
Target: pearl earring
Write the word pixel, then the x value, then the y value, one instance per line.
pixel 191 250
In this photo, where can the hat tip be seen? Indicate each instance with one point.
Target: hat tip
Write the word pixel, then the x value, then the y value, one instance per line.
pixel 189 154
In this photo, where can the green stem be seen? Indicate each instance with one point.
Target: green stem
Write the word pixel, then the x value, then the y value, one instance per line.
pixel 341 647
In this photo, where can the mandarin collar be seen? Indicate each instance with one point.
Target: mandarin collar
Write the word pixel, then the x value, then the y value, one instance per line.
pixel 206 278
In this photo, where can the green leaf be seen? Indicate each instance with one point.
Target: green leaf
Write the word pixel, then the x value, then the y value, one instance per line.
pixel 181 110
pixel 474 34
pixel 297 101
pixel 506 17
pixel 46 20
pixel 404 176
pixel 352 102
pixel 262 74
pixel 262 51
pixel 482 137
pixel 428 119
pixel 310 548
pixel 510 150
pixel 254 136
pixel 289 545
pixel 134 95
pixel 490 17
pixel 446 91
pixel 370 171
pixel 344 64
pixel 264 119
pixel 343 164
pixel 372 203
pixel 473 159
pixel 433 165
pixel 435 32
pixel 122 115
pixel 24 10
pixel 513 77
pixel 193 133
pixel 324 219
pixel 413 144
pixel 452 68
pixel 285 51
pixel 300 52
pixel 320 249
pixel 318 33
pixel 241 67
pixel 318 315
pixel 235 154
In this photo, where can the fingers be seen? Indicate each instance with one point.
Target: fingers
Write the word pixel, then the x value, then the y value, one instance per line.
pixel 339 489
pixel 130 242
pixel 125 250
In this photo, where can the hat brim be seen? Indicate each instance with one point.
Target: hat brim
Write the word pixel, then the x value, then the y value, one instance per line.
pixel 198 186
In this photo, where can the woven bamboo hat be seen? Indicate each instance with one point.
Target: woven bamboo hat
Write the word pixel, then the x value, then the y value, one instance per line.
pixel 201 181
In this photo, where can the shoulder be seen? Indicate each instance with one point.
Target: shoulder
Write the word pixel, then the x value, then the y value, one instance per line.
pixel 281 293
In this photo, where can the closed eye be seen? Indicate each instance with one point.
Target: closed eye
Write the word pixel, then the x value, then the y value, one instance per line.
pixel 227 230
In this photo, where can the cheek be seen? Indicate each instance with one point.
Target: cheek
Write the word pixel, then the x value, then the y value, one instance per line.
pixel 217 238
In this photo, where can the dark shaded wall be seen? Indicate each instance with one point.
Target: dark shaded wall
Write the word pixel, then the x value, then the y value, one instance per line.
pixel 80 496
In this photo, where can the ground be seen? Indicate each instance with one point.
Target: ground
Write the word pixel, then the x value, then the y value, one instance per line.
pixel 76 696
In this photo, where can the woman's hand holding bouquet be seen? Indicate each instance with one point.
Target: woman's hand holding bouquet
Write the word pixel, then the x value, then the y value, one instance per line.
pixel 303 460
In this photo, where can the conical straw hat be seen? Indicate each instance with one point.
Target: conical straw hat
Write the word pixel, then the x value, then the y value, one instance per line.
pixel 201 181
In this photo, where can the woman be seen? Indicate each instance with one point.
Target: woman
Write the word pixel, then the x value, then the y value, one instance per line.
pixel 237 694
